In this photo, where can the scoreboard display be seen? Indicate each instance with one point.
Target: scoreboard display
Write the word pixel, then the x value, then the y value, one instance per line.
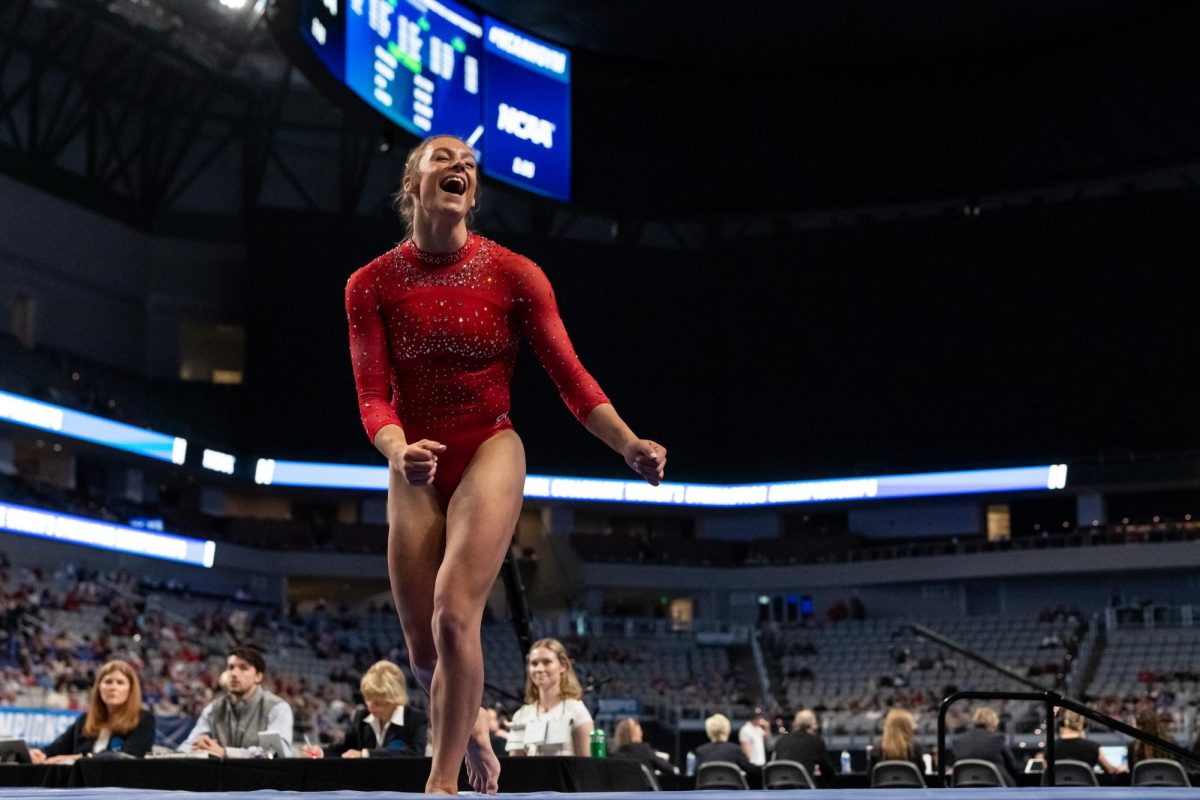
pixel 435 66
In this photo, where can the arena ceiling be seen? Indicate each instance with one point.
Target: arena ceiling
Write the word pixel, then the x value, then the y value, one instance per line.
pixel 696 111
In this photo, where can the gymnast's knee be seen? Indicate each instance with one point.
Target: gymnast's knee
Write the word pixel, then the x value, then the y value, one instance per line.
pixel 423 662
pixel 453 628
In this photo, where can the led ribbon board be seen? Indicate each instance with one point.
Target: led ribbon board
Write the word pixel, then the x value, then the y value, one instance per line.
pixel 929 484
pixel 105 535
pixel 434 66
pixel 90 428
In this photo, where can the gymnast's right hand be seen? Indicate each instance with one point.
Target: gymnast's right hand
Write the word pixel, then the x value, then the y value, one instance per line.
pixel 418 461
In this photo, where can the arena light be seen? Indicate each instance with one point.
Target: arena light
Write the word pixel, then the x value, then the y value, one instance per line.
pixel 271 472
pixel 29 521
pixel 90 428
pixel 552 487
pixel 218 461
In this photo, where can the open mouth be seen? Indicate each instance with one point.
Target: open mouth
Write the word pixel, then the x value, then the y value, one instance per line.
pixel 454 184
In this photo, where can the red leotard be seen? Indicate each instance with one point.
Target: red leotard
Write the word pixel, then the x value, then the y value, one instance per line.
pixel 434 344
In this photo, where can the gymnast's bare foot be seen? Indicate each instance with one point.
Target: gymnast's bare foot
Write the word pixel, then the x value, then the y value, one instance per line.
pixel 483 768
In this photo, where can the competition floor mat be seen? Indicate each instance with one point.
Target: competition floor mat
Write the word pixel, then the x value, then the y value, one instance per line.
pixel 1060 793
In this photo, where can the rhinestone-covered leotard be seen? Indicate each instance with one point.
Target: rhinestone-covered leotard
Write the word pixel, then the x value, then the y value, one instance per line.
pixel 434 345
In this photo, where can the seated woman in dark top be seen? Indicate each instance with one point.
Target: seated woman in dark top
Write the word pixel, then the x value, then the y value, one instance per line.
pixel 1073 745
pixel 386 727
pixel 1148 720
pixel 899 740
pixel 719 748
pixel 115 721
pixel 629 744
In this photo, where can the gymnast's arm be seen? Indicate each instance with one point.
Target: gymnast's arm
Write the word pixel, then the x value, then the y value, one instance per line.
pixel 371 363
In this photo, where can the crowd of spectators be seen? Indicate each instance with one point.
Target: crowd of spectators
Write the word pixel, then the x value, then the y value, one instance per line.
pixel 60 626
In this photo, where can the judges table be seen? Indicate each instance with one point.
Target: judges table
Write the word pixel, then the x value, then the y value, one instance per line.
pixel 545 774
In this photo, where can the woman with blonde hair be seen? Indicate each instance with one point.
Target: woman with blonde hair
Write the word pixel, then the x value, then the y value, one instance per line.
pixel 115 721
pixel 1073 745
pixel 386 726
pixel 554 721
pixel 899 739
pixel 719 748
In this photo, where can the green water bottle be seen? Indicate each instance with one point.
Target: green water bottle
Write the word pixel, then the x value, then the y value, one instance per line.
pixel 599 746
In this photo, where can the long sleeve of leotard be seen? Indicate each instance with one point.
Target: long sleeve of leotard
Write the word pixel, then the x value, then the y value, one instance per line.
pixel 541 325
pixel 369 354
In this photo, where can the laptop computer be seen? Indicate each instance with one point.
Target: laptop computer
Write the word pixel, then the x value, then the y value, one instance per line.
pixel 14 751
pixel 1117 754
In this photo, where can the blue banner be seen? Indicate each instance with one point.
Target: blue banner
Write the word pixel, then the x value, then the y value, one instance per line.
pixel 37 726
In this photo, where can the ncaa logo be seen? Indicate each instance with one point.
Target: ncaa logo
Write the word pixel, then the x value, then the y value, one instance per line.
pixel 526 126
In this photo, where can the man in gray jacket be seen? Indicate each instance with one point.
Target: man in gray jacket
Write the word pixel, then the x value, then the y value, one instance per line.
pixel 228 727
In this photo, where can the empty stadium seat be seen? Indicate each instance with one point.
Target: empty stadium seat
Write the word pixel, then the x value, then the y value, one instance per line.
pixel 1159 772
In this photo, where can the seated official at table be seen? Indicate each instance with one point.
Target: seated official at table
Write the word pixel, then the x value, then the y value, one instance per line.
pixel 554 721
pixel 386 727
pixel 1074 745
pixel 805 745
pixel 719 748
pixel 899 740
pixel 115 721
pixel 629 744
pixel 230 724
pixel 984 742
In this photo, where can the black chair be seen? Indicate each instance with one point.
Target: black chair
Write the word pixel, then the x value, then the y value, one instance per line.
pixel 784 774
pixel 975 772
pixel 651 780
pixel 720 775
pixel 897 775
pixel 1159 772
pixel 1069 772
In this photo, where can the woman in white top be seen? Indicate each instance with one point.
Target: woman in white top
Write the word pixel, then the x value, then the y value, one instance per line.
pixel 554 721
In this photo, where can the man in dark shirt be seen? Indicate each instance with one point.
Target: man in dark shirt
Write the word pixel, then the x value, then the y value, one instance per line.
pixel 805 745
pixel 983 742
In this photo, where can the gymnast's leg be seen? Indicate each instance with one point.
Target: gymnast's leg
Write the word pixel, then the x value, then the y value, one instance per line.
pixel 480 520
pixel 416 542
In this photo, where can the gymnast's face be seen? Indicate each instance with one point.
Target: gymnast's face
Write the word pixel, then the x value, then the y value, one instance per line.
pixel 545 670
pixel 445 182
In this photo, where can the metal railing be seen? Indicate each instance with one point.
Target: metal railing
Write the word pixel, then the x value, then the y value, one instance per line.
pixel 1049 697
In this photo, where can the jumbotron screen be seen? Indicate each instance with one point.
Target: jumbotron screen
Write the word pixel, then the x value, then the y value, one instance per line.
pixel 434 66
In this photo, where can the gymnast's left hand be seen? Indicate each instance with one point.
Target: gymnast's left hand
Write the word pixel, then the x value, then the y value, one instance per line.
pixel 646 458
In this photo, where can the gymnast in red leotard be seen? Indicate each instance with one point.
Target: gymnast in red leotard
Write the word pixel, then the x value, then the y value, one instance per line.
pixel 435 325
pixel 436 339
